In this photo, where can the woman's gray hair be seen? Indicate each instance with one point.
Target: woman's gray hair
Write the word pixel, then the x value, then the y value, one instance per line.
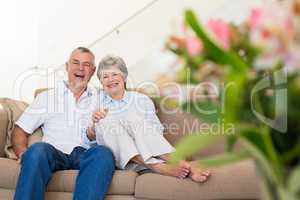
pixel 112 61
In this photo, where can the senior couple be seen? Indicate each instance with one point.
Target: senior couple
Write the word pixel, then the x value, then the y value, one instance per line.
pixel 93 132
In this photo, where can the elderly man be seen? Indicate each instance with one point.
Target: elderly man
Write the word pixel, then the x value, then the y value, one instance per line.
pixel 63 113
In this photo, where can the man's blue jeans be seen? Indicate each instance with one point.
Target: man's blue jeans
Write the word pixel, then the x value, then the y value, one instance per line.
pixel 96 167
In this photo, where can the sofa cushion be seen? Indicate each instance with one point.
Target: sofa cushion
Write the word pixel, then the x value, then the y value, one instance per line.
pixel 123 182
pixel 237 180
pixel 11 168
pixel 14 109
pixel 8 194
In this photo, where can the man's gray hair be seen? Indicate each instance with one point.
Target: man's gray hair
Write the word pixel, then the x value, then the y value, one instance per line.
pixel 83 50
pixel 112 61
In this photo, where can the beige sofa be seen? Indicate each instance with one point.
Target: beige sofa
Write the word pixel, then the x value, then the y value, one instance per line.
pixel 236 181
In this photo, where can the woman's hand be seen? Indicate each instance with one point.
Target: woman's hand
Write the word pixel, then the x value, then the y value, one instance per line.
pixel 98 115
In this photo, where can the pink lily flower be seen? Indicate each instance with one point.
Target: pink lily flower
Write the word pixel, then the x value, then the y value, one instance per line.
pixel 221 30
pixel 193 45
pixel 255 16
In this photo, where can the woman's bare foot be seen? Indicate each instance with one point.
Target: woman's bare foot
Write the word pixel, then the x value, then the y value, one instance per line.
pixel 199 175
pixel 181 170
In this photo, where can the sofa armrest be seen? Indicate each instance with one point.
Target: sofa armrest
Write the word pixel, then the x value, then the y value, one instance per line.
pixel 3 129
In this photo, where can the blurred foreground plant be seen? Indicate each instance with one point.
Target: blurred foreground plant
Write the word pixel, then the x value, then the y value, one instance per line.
pixel 255 66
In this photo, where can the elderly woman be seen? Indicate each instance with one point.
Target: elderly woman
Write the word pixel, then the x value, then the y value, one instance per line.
pixel 126 122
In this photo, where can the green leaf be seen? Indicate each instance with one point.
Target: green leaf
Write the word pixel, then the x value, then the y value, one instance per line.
pixel 291 154
pixel 263 151
pixel 272 153
pixel 256 139
pixel 294 180
pixel 223 159
pixel 233 89
pixel 263 162
pixel 192 144
pixel 286 195
pixel 184 75
pixel 231 141
pixel 236 75
pixel 215 53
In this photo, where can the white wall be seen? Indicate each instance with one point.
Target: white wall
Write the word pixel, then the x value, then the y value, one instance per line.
pixel 43 32
pixel 18 39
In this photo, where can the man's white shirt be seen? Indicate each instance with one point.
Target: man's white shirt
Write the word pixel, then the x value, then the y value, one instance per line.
pixel 62 119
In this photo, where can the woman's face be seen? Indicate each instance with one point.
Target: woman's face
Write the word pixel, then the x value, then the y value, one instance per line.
pixel 113 81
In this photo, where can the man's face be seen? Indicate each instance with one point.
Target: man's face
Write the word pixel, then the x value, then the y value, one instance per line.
pixel 80 68
pixel 113 81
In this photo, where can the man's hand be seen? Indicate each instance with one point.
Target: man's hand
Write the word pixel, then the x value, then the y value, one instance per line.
pixel 19 141
pixel 20 157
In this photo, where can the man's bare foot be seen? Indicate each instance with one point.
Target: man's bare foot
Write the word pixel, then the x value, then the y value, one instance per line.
pixel 181 170
pixel 199 175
